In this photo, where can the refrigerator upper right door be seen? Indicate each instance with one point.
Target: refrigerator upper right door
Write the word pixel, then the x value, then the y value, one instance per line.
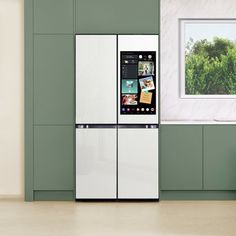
pixel 96 79
pixel 138 79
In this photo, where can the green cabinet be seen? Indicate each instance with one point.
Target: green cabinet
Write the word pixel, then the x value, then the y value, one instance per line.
pixel 50 27
pixel 220 157
pixel 53 100
pixel 181 157
pixel 53 16
pixel 54 79
pixel 117 16
pixel 54 158
pixel 198 161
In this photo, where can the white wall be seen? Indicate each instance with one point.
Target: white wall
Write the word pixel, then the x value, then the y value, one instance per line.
pixel 11 97
pixel 172 106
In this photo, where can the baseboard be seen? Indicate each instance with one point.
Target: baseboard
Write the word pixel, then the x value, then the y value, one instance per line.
pixel 57 195
pixel 198 195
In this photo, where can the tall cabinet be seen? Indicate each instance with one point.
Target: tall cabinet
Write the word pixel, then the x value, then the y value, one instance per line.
pixel 50 28
pixel 50 100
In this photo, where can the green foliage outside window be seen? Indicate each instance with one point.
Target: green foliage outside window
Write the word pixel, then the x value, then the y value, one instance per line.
pixel 210 67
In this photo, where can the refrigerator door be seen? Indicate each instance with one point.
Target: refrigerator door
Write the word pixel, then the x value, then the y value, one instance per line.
pixel 96 163
pixel 95 79
pixel 138 163
pixel 138 86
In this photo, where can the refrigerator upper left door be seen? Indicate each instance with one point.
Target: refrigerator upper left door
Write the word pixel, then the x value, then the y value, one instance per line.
pixel 96 79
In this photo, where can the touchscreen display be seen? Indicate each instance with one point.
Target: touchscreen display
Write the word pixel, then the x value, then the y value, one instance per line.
pixel 138 83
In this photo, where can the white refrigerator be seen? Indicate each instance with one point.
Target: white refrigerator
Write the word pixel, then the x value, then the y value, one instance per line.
pixel 117 117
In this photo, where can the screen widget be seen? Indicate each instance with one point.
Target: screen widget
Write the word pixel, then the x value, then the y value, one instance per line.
pixel 131 56
pixel 147 83
pixel 130 86
pixel 129 99
pixel 145 68
pixel 129 71
pixel 146 97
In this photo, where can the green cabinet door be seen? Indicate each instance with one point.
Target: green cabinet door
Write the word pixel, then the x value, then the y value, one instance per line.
pixel 53 158
pixel 220 157
pixel 117 16
pixel 53 16
pixel 54 79
pixel 181 157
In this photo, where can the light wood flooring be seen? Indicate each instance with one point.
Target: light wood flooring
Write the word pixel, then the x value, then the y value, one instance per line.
pixel 190 218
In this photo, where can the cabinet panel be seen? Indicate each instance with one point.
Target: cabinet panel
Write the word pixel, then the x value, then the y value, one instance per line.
pixel 181 157
pixel 117 16
pixel 53 16
pixel 53 79
pixel 138 163
pixel 54 158
pixel 95 163
pixel 220 157
pixel 28 100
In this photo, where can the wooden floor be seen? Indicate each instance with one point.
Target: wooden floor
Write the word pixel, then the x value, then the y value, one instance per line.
pixel 106 219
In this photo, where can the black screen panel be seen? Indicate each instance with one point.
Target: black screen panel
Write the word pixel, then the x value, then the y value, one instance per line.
pixel 138 83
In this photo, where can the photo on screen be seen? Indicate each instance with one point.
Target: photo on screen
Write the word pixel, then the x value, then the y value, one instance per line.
pixel 129 99
pixel 129 86
pixel 147 83
pixel 145 68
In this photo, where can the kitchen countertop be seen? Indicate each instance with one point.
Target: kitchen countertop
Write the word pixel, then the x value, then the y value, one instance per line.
pixel 197 122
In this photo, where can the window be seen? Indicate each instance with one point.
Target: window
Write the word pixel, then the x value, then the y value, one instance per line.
pixel 208 58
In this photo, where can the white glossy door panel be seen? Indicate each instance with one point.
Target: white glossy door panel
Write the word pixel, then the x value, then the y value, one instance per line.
pixel 95 163
pixel 96 79
pixel 138 43
pixel 138 164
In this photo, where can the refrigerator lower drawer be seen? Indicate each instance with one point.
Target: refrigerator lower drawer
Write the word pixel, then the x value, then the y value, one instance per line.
pixel 95 163
pixel 138 164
